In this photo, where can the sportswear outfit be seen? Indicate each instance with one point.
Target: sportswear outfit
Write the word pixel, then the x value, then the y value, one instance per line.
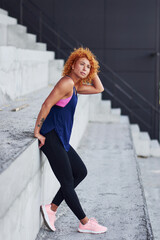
pixel 64 161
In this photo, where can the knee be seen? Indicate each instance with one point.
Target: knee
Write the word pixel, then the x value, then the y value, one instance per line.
pixel 83 173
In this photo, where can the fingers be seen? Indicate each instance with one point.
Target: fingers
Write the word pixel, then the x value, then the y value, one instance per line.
pixel 42 142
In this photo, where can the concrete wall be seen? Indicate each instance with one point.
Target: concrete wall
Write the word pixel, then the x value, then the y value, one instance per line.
pixel 27 183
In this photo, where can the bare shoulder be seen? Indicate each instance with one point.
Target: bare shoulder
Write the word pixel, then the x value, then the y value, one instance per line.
pixel 65 83
pixel 63 88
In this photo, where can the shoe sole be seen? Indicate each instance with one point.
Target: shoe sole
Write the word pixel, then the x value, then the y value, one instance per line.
pixel 45 217
pixel 89 231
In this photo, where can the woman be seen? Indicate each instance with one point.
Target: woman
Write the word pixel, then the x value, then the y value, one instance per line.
pixel 53 129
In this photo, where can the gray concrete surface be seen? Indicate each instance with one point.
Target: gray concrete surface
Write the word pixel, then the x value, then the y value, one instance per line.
pixel 150 172
pixel 112 192
pixel 16 128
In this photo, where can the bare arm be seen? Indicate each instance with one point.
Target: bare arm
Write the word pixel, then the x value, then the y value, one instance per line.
pixel 62 88
pixel 96 87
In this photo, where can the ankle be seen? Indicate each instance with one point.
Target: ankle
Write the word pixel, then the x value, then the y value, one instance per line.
pixel 84 220
pixel 54 207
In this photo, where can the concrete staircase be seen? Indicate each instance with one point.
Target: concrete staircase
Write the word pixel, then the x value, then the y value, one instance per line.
pixel 13 34
pixel 101 111
pixel 144 146
pixel 22 59
pixel 27 75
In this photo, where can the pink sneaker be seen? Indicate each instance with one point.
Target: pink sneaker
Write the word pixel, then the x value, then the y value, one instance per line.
pixel 49 216
pixel 91 226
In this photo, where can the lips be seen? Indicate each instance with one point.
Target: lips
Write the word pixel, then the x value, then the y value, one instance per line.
pixel 83 73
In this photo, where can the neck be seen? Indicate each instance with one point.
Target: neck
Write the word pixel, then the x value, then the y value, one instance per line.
pixel 75 78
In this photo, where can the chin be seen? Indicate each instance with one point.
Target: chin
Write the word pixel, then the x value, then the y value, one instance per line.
pixel 82 76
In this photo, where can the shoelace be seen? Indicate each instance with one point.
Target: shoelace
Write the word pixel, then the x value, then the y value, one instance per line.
pixel 93 220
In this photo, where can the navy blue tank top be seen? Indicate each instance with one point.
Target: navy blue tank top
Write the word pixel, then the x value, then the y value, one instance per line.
pixel 61 120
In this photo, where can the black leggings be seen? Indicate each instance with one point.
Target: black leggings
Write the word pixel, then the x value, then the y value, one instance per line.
pixel 69 170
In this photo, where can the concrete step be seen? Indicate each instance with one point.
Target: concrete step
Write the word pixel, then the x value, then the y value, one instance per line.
pixel 17 28
pixel 40 46
pixel 101 110
pixel 104 106
pixel 8 54
pixel 31 37
pixel 3 12
pixel 135 131
pixel 114 115
pixel 144 146
pixel 4 19
pixel 18 39
pixel 150 174
pixel 116 111
pixel 13 35
pixel 154 148
pixel 105 117
pixel 124 119
pixel 59 63
pixel 22 71
pixel 16 35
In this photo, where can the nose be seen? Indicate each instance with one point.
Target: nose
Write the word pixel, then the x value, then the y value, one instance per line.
pixel 84 67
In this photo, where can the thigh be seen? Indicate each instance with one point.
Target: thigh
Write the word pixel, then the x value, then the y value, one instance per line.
pixel 78 167
pixel 57 157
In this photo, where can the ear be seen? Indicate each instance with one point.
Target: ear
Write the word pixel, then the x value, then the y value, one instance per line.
pixel 73 66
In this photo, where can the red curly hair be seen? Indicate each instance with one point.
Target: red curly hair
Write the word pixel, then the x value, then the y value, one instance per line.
pixel 80 53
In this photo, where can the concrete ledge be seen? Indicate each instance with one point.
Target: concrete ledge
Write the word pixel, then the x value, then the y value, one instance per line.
pixel 81 119
pixel 31 183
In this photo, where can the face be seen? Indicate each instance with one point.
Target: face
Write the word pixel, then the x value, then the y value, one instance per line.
pixel 82 67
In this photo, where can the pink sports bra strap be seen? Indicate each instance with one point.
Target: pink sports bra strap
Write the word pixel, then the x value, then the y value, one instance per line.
pixel 63 102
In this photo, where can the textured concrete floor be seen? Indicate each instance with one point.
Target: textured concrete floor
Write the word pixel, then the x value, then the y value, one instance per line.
pixel 112 191
pixel 150 171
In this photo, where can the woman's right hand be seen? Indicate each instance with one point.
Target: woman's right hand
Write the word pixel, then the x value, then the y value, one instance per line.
pixel 41 138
